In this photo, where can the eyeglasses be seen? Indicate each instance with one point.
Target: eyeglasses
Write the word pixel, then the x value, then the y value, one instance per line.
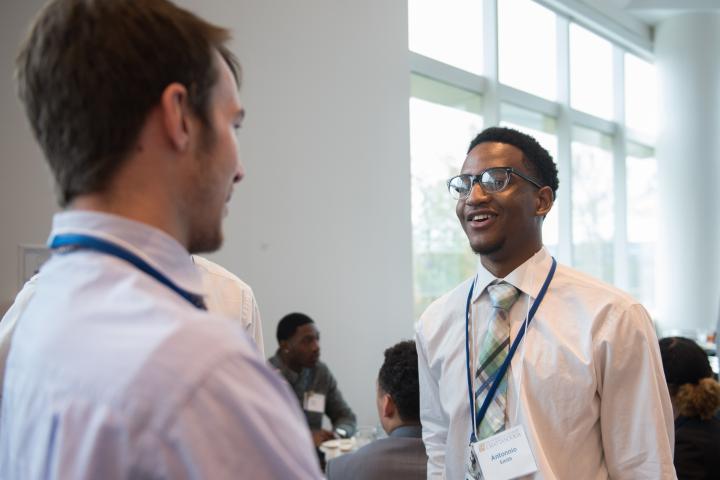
pixel 492 180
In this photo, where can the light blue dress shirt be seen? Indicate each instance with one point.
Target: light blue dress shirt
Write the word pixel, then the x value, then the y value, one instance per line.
pixel 113 375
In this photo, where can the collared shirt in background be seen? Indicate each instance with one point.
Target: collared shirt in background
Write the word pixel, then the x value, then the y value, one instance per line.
pixel 229 296
pixel 113 375
pixel 318 380
pixel 586 383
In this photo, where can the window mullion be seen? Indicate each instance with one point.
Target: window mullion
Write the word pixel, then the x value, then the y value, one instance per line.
pixel 619 172
pixel 491 99
pixel 564 136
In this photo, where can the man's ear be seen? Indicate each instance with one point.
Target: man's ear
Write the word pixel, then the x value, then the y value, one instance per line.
pixel 176 115
pixel 388 406
pixel 283 345
pixel 544 201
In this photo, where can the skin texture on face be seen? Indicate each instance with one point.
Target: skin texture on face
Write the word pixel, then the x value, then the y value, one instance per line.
pixel 504 228
pixel 217 166
pixel 302 350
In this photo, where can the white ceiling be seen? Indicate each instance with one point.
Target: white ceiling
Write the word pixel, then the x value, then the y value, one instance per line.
pixel 653 11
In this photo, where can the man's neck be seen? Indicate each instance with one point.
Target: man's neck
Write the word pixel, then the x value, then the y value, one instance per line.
pixel 501 267
pixel 294 366
pixel 150 211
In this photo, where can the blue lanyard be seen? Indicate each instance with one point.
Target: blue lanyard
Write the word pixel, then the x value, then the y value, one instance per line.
pixel 75 241
pixel 503 368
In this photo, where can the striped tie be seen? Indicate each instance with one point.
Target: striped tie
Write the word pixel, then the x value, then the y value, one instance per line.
pixel 493 351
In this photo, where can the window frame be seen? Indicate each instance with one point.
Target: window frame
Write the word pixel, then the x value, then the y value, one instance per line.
pixel 494 94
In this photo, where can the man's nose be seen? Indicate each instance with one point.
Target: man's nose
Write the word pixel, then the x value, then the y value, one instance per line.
pixel 239 172
pixel 477 193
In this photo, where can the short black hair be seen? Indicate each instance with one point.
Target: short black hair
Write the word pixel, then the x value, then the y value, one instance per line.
pixel 534 154
pixel 398 378
pixel 289 324
pixel 683 361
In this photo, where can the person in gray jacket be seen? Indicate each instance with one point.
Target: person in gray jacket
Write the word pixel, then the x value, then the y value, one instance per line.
pixel 298 360
pixel 400 456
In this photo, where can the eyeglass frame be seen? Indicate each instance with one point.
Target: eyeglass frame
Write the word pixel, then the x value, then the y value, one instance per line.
pixel 476 180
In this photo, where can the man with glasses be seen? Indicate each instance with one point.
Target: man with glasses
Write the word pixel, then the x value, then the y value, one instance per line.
pixel 529 367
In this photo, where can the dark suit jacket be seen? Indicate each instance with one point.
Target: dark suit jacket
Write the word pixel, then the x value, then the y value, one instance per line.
pixel 697 448
pixel 401 456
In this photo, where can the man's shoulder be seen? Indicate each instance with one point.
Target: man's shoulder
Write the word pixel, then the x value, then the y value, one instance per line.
pixel 446 308
pixel 383 456
pixel 188 360
pixel 212 270
pixel 572 283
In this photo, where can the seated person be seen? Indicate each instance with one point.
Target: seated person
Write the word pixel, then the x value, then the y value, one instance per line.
pixel 402 455
pixel 298 360
pixel 695 396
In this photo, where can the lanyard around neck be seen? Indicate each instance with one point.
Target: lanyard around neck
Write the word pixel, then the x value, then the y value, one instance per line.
pixel 506 363
pixel 74 242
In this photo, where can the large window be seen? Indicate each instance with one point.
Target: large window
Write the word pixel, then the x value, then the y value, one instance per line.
pixel 587 98
pixel 592 203
pixel 641 93
pixel 449 31
pixel 642 217
pixel 591 73
pixel 527 47
pixel 443 120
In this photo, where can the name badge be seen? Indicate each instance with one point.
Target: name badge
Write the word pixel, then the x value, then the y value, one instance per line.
pixel 314 402
pixel 505 455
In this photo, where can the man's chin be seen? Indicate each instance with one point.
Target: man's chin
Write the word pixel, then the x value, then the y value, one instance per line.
pixel 487 248
pixel 207 243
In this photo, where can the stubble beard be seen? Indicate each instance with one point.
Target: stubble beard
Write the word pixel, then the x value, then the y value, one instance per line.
pixel 206 233
pixel 488 249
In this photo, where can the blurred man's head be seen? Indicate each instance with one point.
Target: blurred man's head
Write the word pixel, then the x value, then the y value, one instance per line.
pixel 129 97
pixel 398 389
pixel 693 389
pixel 299 341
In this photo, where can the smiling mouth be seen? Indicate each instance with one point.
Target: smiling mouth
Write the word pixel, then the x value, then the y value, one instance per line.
pixel 481 219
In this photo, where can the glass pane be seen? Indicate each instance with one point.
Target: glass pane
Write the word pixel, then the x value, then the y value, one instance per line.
pixel 443 121
pixel 641 95
pixel 543 129
pixel 591 73
pixel 642 222
pixel 449 31
pixel 527 40
pixel 592 203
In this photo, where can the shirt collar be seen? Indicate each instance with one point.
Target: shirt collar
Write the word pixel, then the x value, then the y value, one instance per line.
pixel 154 246
pixel 528 277
pixel 407 431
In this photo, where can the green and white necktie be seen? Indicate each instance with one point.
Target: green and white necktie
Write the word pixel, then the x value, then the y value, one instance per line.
pixel 493 352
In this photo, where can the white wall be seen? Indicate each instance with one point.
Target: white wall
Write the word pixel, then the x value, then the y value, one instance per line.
pixel 321 223
pixel 26 194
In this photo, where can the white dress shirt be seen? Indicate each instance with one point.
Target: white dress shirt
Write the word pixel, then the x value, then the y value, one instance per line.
pixel 225 294
pixel 586 383
pixel 229 296
pixel 113 375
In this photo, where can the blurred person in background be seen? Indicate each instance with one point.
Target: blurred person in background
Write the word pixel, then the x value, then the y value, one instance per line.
pixel 400 456
pixel 298 360
pixel 695 397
